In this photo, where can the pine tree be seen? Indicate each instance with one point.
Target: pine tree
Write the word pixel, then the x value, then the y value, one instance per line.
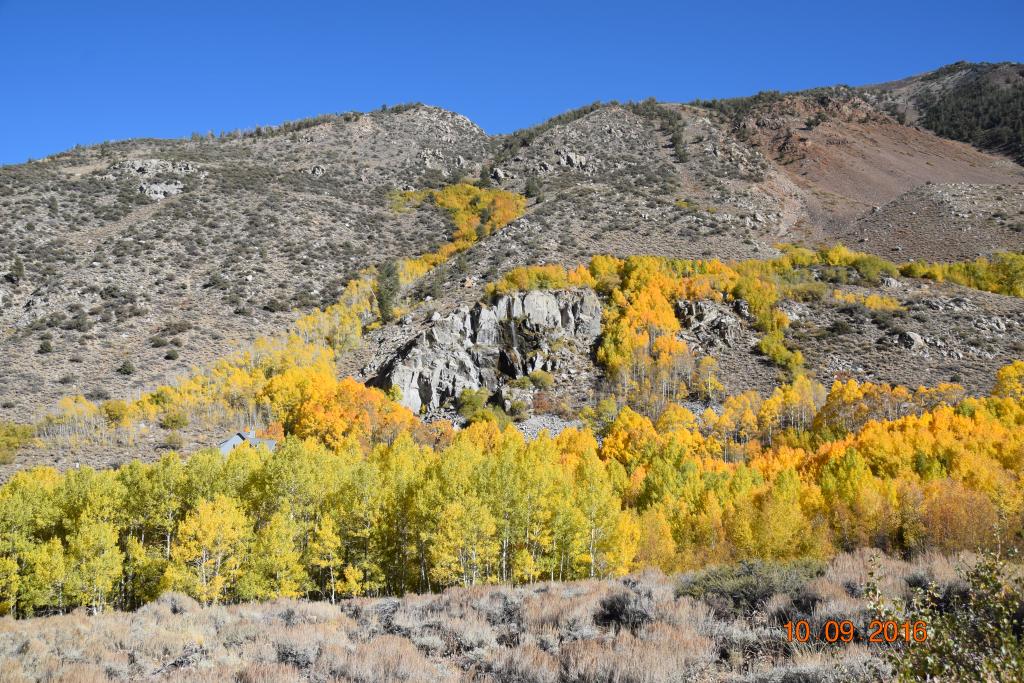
pixel 388 289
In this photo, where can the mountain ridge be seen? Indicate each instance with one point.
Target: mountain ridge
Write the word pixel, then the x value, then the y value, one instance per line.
pixel 145 258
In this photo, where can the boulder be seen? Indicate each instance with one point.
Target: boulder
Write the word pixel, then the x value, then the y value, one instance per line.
pixel 911 340
pixel 515 400
pixel 709 322
pixel 158 191
pixel 571 159
pixel 907 340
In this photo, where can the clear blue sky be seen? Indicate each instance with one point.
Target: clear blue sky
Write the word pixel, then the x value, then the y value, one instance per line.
pixel 84 72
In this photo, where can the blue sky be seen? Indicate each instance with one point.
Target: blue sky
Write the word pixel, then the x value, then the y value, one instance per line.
pixel 84 72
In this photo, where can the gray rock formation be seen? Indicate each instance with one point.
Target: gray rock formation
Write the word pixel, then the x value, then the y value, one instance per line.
pixel 160 191
pixel 710 323
pixel 157 177
pixel 152 167
pixel 907 340
pixel 477 347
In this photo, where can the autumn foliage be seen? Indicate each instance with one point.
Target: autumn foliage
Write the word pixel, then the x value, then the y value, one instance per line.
pixel 362 498
pixel 475 212
pixel 640 347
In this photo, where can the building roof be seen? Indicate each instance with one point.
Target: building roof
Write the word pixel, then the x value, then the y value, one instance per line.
pixel 233 442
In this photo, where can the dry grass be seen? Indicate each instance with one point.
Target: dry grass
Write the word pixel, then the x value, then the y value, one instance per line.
pixel 634 629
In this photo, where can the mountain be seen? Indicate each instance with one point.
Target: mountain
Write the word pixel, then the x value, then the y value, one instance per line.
pixel 978 103
pixel 650 388
pixel 130 263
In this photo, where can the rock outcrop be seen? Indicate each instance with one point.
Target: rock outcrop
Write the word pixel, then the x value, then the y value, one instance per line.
pixel 158 178
pixel 482 346
pixel 708 323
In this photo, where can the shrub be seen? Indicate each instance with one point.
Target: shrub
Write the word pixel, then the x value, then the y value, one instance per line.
pixel 17 271
pixel 116 412
pixel 532 187
pixel 173 441
pixel 12 437
pixel 473 407
pixel 542 379
pixel 630 608
pixel 174 420
pixel 472 402
pixel 46 346
pixel 742 588
pixel 972 635
pixel 126 368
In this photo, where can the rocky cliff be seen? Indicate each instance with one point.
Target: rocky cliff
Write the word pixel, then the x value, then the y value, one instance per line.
pixel 487 344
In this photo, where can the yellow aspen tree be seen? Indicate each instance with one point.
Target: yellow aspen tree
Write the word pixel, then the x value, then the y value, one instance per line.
pixel 463 547
pixel 45 576
pixel 96 563
pixel 565 525
pixel 621 549
pixel 325 554
pixel 10 584
pixel 144 567
pixel 705 379
pixel 273 567
pixel 631 440
pixel 656 547
pixel 207 554
pixel 594 497
pixel 1010 381
pixel 781 531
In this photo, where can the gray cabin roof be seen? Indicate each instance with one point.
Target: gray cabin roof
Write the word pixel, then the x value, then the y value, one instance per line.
pixel 235 441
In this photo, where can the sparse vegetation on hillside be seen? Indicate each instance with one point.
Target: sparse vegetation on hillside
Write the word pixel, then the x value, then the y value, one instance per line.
pixel 670 122
pixel 523 138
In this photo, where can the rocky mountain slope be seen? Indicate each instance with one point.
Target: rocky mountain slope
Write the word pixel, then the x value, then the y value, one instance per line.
pixel 129 263
pixel 978 103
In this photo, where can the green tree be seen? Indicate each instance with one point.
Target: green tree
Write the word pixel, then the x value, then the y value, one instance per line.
pixel 17 272
pixel 388 289
pixel 273 569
